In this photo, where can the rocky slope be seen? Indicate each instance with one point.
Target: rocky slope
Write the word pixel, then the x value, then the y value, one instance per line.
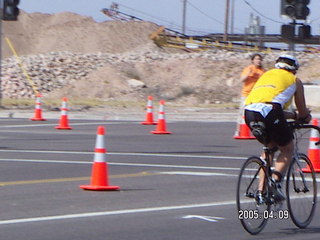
pixel 70 55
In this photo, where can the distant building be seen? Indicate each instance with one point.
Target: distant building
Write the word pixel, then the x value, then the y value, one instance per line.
pixel 255 28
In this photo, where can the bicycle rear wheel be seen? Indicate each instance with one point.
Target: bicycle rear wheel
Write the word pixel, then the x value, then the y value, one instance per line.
pixel 250 212
pixel 301 191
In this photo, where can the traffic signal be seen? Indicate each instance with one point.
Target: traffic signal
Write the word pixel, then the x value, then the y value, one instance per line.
pixel 10 10
pixel 288 32
pixel 287 8
pixel 302 10
pixel 295 9
pixel 304 32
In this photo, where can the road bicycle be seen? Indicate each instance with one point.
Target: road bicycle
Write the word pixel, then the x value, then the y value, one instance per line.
pixel 301 187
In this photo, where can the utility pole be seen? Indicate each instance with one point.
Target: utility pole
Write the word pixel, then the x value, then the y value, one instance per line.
pixel 291 45
pixel 232 18
pixel 184 13
pixel 226 21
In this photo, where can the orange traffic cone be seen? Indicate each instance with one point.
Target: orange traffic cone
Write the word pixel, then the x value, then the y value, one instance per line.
pixel 37 110
pixel 314 150
pixel 149 114
pixel 244 131
pixel 99 178
pixel 161 126
pixel 64 122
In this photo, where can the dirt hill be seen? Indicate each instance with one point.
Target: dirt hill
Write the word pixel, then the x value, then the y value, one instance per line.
pixel 119 61
pixel 42 33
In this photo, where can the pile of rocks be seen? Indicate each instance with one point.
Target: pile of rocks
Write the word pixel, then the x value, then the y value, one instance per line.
pixel 52 71
pixel 45 72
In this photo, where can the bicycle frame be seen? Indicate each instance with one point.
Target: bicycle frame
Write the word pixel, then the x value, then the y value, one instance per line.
pixel 265 179
pixel 268 161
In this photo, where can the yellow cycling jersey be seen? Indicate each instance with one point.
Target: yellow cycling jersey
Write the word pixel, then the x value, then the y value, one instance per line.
pixel 276 85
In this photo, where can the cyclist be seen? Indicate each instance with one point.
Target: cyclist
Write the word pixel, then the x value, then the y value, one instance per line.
pixel 266 107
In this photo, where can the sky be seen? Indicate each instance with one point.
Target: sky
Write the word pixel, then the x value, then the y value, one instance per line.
pixel 203 16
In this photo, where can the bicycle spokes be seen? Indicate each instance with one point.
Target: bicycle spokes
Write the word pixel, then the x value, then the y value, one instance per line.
pixel 251 207
pixel 301 192
pixel 249 192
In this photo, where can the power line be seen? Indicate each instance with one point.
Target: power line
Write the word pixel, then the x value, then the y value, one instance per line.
pixel 205 14
pixel 168 23
pixel 151 16
pixel 208 16
pixel 313 20
pixel 262 15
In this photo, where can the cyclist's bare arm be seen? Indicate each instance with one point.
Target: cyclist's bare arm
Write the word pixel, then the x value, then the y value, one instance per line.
pixel 303 111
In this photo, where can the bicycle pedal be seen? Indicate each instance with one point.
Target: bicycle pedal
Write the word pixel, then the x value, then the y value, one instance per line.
pixel 259 198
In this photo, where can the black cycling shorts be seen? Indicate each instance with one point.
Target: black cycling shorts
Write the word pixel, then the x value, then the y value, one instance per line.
pixel 276 126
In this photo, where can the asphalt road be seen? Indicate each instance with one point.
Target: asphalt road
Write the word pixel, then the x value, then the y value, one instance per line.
pixel 178 186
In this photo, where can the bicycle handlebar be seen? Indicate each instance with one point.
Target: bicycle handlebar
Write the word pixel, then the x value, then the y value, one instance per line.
pixel 298 125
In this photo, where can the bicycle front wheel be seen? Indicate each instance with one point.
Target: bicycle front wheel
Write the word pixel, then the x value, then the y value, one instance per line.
pixel 251 211
pixel 301 191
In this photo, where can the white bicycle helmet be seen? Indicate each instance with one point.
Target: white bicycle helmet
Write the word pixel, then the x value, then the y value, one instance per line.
pixel 286 61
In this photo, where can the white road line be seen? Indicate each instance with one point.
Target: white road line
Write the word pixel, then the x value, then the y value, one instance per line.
pixel 178 155
pixel 43 161
pixel 128 154
pixel 148 165
pixel 120 164
pixel 205 218
pixel 174 166
pixel 72 123
pixel 116 212
pixel 45 151
pixel 205 174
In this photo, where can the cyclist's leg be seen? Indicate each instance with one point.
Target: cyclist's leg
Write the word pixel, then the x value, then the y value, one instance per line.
pixel 251 118
pixel 261 185
pixel 273 149
pixel 280 168
pixel 283 160
pixel 281 135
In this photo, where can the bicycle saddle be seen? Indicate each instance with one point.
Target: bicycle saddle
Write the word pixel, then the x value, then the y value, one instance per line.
pixel 258 130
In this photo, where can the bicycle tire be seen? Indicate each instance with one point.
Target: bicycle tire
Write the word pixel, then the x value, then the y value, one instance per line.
pixel 247 187
pixel 301 190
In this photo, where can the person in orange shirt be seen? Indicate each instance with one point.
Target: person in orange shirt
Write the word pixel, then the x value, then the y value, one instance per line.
pixel 249 77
